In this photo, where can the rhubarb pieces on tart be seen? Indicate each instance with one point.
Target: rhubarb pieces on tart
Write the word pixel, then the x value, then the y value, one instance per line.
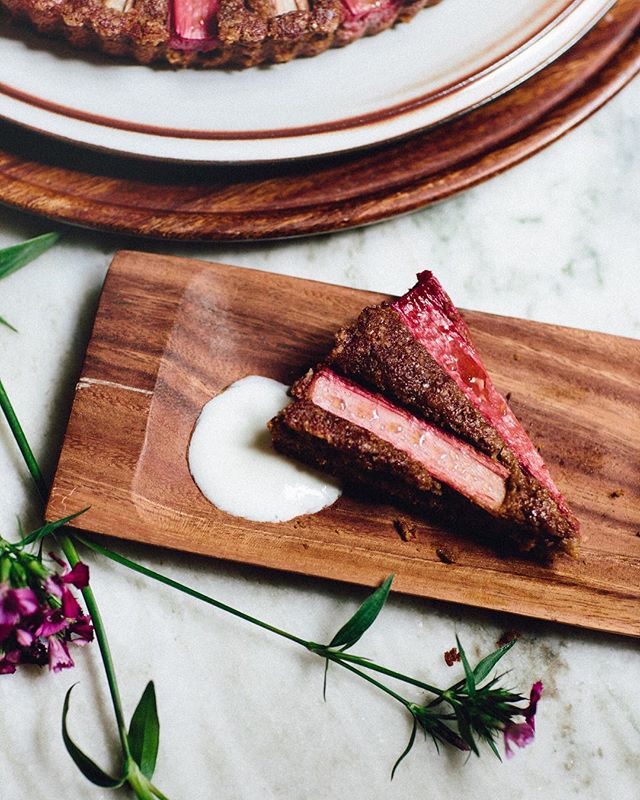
pixel 403 406
pixel 213 33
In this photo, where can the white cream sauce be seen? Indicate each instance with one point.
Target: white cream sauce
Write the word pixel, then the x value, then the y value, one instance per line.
pixel 235 467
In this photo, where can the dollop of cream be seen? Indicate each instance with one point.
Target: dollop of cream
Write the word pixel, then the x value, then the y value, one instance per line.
pixel 234 465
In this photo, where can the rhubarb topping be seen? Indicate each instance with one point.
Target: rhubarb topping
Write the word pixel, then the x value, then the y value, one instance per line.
pixel 445 457
pixel 436 323
pixel 358 9
pixel 194 24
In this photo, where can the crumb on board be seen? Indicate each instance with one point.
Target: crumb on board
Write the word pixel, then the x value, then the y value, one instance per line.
pixel 616 493
pixel 446 556
pixel 508 396
pixel 406 529
pixel 451 656
pixel 516 357
pixel 508 636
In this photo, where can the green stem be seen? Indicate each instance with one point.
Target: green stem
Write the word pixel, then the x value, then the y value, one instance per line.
pixel 157 792
pixel 149 573
pixel 391 673
pixel 72 556
pixel 23 444
pixel 320 650
pixel 369 679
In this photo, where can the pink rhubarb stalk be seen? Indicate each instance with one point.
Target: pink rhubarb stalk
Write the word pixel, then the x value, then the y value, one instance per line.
pixel 436 323
pixel 194 24
pixel 358 9
pixel 446 458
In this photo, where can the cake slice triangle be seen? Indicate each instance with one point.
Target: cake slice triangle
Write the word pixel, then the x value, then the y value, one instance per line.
pixel 404 407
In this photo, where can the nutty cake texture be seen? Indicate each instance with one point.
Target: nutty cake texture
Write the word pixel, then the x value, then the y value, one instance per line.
pixel 212 33
pixel 382 412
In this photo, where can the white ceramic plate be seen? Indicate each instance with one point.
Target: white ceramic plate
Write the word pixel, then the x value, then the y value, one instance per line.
pixel 449 59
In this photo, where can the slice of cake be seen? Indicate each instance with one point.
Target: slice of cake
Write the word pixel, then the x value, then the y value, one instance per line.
pixel 403 406
pixel 212 33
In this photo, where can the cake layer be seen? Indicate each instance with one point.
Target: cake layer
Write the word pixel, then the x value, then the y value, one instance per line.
pixel 407 375
pixel 321 438
pixel 418 352
pixel 447 459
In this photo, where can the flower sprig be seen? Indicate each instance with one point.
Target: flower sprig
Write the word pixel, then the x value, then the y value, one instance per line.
pixel 139 742
pixel 39 614
pixel 474 709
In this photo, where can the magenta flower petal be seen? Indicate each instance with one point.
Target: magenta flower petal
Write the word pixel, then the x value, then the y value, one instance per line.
pixel 78 576
pixel 54 586
pixel 53 622
pixel 15 603
pixel 521 734
pixel 534 697
pixel 26 601
pixel 81 631
pixel 70 607
pixel 24 638
pixel 9 662
pixel 57 559
pixel 59 657
pixel 6 667
pixel 51 627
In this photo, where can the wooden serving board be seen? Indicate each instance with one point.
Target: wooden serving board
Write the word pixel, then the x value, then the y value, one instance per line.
pixel 171 333
pixel 213 203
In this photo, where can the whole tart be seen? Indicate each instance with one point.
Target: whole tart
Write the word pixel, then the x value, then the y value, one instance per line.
pixel 212 33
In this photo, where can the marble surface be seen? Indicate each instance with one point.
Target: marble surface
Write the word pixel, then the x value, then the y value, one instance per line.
pixel 555 239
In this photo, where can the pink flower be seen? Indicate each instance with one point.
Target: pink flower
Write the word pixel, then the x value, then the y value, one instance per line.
pixel 534 697
pixel 39 621
pixel 24 638
pixel 81 631
pixel 9 661
pixel 523 733
pixel 59 657
pixel 15 603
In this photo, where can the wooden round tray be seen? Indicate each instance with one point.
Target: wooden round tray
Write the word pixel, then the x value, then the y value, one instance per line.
pixel 170 201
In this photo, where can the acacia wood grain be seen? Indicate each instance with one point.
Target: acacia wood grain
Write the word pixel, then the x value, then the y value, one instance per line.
pixel 135 196
pixel 171 333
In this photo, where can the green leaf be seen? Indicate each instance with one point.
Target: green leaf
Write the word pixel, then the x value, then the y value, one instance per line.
pixel 4 322
pixel 407 749
pixel 144 732
pixel 364 617
pixel 87 767
pixel 471 681
pixel 484 667
pixel 492 745
pixel 50 527
pixel 18 255
pixel 465 731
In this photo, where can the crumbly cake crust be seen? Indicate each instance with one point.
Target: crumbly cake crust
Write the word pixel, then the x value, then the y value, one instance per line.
pixel 386 358
pixel 379 351
pixel 247 32
pixel 528 518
